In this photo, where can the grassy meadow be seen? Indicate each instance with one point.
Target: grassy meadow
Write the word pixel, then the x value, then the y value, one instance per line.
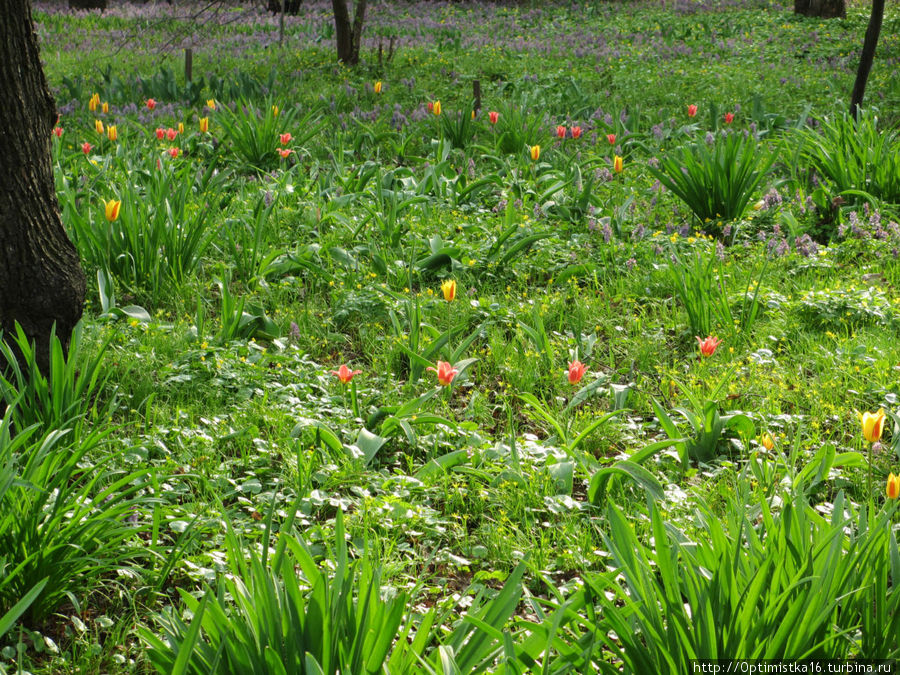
pixel 597 376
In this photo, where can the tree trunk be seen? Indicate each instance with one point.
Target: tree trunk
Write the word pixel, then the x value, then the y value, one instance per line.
pixel 87 4
pixel 348 34
pixel 824 9
pixel 867 56
pixel 41 281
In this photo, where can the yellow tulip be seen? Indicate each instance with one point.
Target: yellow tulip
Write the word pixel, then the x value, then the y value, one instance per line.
pixel 211 104
pixel 767 441
pixel 535 153
pixel 204 124
pixel 872 425
pixel 893 486
pixel 98 125
pixel 275 110
pixel 94 102
pixel 448 288
pixel 378 87
pixel 618 164
pixel 112 133
pixel 112 209
pixel 437 108
pixel 181 127
pixel 105 107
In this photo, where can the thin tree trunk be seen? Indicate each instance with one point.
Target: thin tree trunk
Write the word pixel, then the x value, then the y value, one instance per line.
pixel 348 35
pixel 41 281
pixel 868 56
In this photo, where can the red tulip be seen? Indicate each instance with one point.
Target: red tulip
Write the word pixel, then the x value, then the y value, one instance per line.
pixel 576 132
pixel 430 106
pixel 344 374
pixel 692 110
pixel 160 134
pixel 560 131
pixel 709 345
pixel 86 147
pixel 493 117
pixel 171 134
pixel 576 371
pixel 729 118
pixel 57 131
pixel 611 138
pixel 445 372
pixel 285 152
pixel 151 104
pixel 174 152
pixel 284 139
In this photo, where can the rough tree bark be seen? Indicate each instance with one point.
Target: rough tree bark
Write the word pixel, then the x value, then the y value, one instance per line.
pixel 825 9
pixel 41 281
pixel 867 56
pixel 348 34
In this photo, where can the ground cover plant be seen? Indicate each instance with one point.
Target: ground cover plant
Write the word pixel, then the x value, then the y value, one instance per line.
pixel 596 372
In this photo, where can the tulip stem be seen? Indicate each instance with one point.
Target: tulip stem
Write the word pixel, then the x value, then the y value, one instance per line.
pixel 869 488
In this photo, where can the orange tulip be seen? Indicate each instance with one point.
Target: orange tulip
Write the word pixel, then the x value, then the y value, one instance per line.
pixel 576 132
pixel 344 374
pixel 284 139
pixel 151 104
pixel 576 371
pixel 285 152
pixel 445 372
pixel 709 345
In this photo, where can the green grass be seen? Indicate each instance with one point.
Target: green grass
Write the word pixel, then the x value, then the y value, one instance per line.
pixel 502 492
